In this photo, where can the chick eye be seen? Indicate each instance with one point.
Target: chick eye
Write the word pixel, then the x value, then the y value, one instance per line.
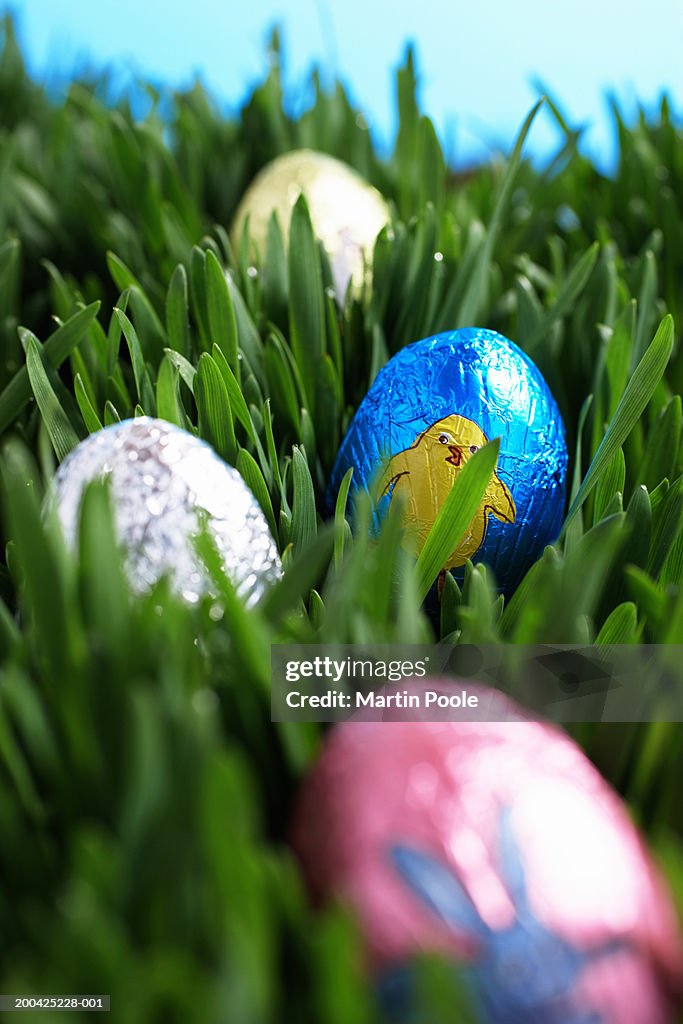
pixel 474 448
pixel 444 439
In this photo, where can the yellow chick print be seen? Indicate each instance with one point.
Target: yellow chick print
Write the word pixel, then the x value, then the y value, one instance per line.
pixel 425 473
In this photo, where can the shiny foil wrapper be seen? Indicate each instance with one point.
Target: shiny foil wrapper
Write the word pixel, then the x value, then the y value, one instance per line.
pixel 162 481
pixel 499 845
pixel 429 409
pixel 346 212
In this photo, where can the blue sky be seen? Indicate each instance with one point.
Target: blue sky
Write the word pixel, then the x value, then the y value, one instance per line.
pixel 477 61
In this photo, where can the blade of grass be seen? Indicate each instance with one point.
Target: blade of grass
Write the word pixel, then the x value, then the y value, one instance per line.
pixel 36 558
pixel 304 571
pixel 136 357
pixel 168 400
pixel 62 435
pixel 572 287
pixel 237 402
pixel 304 517
pixel 474 296
pixel 610 483
pixel 575 532
pixel 111 414
pixel 213 405
pixel 637 394
pixel 185 368
pixel 56 349
pixel 306 309
pixel 253 478
pixel 660 458
pixel 455 515
pixel 221 312
pixel 621 625
pixel 668 526
pixel 343 530
pixel 177 317
pixel 124 278
pixel 90 417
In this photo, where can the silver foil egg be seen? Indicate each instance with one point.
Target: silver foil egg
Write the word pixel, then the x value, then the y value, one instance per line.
pixel 163 481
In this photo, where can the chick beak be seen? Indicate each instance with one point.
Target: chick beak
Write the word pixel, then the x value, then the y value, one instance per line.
pixel 455 458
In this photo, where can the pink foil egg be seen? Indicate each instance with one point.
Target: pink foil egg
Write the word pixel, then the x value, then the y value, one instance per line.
pixel 501 845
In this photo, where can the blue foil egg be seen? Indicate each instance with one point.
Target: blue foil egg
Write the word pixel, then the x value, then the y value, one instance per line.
pixel 427 412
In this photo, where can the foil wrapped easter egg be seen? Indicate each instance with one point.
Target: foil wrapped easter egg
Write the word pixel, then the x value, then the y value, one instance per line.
pixel 428 411
pixel 498 844
pixel 163 483
pixel 346 212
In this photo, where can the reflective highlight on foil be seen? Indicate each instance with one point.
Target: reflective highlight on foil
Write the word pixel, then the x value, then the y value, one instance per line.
pixel 523 972
pixel 499 845
pixel 425 473
pixel 479 376
pixel 162 480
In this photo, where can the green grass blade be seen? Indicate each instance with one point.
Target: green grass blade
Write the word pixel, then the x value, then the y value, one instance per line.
pixel 113 336
pixel 610 483
pixel 62 435
pixel 185 368
pixel 275 271
pixel 213 404
pixel 343 530
pixel 177 317
pixel 124 278
pixel 221 312
pixel 249 638
pixel 90 417
pixel 660 457
pixel 575 531
pixel 237 401
pixel 646 305
pixel 304 517
pixel 568 294
pixel 474 297
pixel 302 574
pixel 637 394
pixel 668 527
pixel 101 570
pixel 618 356
pixel 283 385
pixel 168 400
pixel 249 337
pixel 672 571
pixel 198 295
pixel 40 571
pixel 306 310
pixel 621 625
pixel 455 515
pixel 253 477
pixel 111 414
pixel 56 349
pixel 136 357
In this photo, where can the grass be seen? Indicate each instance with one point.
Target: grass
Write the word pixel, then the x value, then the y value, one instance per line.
pixel 144 791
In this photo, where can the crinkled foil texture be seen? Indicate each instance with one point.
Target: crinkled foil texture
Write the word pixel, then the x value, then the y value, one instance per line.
pixel 162 480
pixel 500 845
pixel 483 376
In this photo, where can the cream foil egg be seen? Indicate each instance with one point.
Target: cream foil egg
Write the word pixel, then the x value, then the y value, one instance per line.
pixel 346 212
